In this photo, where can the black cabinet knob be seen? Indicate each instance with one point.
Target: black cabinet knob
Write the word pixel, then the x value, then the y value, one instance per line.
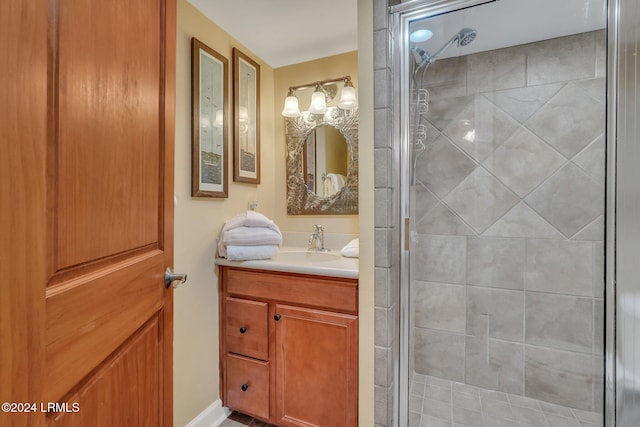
pixel 244 387
pixel 277 317
pixel 243 329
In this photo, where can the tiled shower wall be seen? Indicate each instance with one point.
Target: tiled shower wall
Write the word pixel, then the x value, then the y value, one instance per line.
pixel 385 227
pixel 507 258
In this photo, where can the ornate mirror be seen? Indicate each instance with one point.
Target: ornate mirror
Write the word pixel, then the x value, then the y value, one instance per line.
pixel 322 163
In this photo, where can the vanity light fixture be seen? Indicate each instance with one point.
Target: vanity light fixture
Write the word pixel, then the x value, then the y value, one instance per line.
pixel 319 98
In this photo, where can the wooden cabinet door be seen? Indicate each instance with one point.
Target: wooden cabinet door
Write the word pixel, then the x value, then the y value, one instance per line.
pixel 87 100
pixel 316 373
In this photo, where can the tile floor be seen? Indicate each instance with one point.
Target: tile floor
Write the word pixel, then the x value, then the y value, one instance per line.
pixel 435 402
pixel 236 419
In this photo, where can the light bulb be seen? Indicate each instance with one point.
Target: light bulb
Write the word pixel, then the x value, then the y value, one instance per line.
pixel 219 122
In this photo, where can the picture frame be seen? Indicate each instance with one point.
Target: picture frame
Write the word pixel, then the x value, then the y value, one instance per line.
pixel 246 118
pixel 209 114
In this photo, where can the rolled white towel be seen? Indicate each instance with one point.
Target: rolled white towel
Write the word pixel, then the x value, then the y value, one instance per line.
pixel 245 253
pixel 352 250
pixel 248 236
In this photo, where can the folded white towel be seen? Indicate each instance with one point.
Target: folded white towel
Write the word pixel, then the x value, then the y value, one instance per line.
pixel 247 236
pixel 246 229
pixel 245 253
pixel 352 250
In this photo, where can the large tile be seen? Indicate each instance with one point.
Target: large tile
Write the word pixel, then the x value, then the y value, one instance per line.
pixel 440 259
pixel 441 220
pixel 447 78
pixel 480 128
pixel 569 121
pixel 569 200
pixel 559 321
pixel 439 354
pixel 480 200
pixel 596 88
pixel 556 266
pixel 522 103
pixel 523 162
pixel 439 306
pixel 442 166
pixel 383 288
pixel 487 314
pixel 601 53
pixel 495 262
pixel 592 159
pixel 441 113
pixel 522 221
pixel 424 200
pixel 598 327
pixel 495 365
pixel 593 232
pixel 496 70
pixel 560 377
pixel 561 59
pixel 382 162
pixel 382 122
pixel 598 266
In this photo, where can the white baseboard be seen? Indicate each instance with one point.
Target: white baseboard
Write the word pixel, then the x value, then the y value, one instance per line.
pixel 213 416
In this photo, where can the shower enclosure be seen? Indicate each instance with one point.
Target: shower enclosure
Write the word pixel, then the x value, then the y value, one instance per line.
pixel 500 110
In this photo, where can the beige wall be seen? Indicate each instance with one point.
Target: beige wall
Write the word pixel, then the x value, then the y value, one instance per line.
pixel 293 75
pixel 367 207
pixel 198 221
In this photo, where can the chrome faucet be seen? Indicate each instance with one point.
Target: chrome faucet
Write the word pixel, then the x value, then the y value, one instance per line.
pixel 316 240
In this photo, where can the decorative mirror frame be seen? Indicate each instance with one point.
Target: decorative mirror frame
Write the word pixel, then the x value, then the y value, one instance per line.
pixel 301 200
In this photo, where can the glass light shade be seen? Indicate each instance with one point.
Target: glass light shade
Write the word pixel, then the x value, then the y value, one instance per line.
pixel 348 99
pixel 291 108
pixel 420 35
pixel 318 103
pixel 219 119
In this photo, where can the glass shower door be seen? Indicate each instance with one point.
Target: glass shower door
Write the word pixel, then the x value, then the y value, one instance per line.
pixel 506 288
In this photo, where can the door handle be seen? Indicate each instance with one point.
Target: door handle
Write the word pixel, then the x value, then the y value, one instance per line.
pixel 173 278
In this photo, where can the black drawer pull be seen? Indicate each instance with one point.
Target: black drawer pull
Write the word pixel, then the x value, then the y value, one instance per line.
pixel 243 329
pixel 244 387
pixel 277 317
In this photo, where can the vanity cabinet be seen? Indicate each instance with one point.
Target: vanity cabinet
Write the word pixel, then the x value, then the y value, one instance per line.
pixel 289 347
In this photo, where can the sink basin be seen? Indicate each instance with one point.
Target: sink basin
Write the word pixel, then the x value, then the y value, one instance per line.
pixel 307 256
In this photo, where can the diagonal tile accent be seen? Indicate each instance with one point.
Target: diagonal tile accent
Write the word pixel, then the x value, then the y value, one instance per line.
pixel 570 121
pixel 446 109
pixel 569 200
pixel 523 162
pixel 596 88
pixel 522 103
pixel 522 221
pixel 480 128
pixel 593 232
pixel 480 200
pixel 442 166
pixel 592 159
pixel 441 221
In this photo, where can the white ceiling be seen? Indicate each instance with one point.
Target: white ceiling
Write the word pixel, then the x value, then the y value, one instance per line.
pixel 285 32
pixel 506 23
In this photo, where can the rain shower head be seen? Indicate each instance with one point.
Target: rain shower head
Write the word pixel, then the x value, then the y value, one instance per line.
pixel 463 37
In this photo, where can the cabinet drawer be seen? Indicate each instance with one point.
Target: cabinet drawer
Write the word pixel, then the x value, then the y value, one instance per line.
pixel 247 386
pixel 328 293
pixel 246 328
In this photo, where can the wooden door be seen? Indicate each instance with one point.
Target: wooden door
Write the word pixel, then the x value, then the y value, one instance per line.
pixel 317 368
pixel 87 94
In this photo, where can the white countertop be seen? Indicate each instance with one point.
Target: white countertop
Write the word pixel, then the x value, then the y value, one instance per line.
pixel 299 260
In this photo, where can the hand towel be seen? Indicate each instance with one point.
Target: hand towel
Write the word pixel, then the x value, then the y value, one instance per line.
pixel 247 236
pixel 352 250
pixel 245 225
pixel 245 253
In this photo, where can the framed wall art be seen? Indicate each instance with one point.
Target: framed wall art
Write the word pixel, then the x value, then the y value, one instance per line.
pixel 246 118
pixel 209 82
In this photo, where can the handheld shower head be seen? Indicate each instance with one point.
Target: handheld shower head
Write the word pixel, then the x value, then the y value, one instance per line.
pixel 463 37
pixel 466 36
